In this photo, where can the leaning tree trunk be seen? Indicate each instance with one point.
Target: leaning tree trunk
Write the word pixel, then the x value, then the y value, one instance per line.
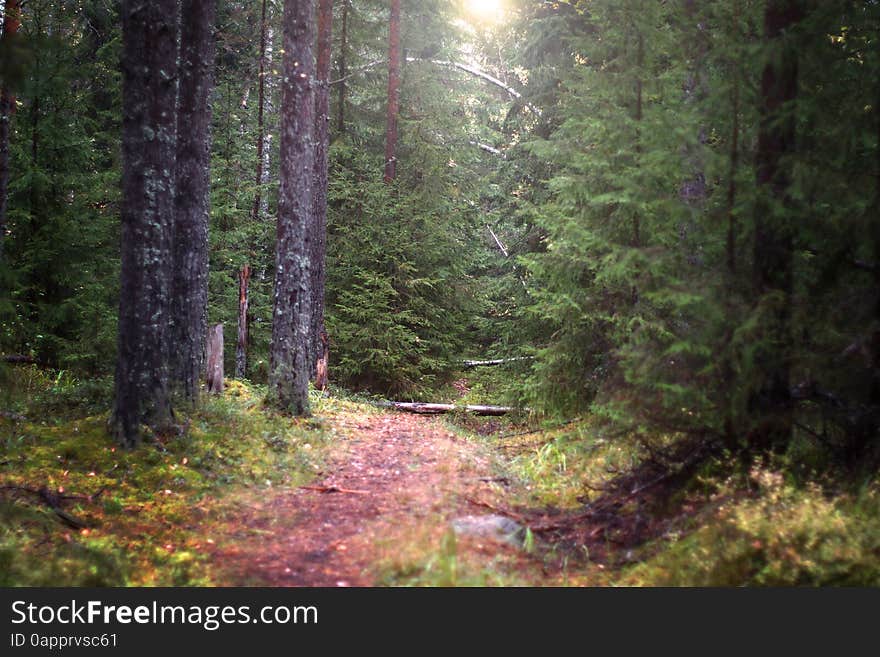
pixel 148 150
pixel 771 401
pixel 11 23
pixel 393 92
pixel 291 319
pixel 192 199
pixel 319 193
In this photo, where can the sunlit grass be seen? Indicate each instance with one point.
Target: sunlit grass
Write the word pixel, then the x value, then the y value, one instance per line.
pixel 142 508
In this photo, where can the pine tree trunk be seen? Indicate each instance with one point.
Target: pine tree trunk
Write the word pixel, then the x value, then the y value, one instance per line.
pixel 11 23
pixel 148 149
pixel 192 198
pixel 393 92
pixel 771 402
pixel 291 318
pixel 244 277
pixel 319 193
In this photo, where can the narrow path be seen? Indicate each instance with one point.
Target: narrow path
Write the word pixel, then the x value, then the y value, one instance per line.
pixel 401 479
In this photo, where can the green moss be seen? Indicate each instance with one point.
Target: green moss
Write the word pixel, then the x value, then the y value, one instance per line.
pixel 142 519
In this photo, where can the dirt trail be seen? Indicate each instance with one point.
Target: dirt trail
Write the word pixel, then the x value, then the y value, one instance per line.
pixel 402 479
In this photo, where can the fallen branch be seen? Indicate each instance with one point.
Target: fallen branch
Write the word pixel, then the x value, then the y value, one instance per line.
pixel 494 361
pixel 467 68
pixel 336 489
pixel 15 417
pixel 53 501
pixel 424 408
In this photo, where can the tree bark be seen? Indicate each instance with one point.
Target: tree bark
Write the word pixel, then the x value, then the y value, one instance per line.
pixel 149 93
pixel 319 193
pixel 393 92
pixel 192 198
pixel 214 375
pixel 291 318
pixel 244 277
pixel 771 402
pixel 11 23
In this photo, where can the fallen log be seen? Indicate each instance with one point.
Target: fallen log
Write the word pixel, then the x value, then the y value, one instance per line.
pixel 424 408
pixel 496 361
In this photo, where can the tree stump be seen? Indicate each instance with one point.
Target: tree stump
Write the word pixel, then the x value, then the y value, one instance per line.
pixel 321 378
pixel 214 375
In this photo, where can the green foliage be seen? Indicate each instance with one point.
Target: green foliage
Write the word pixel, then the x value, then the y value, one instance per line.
pixel 784 536
pixel 397 293
pixel 62 241
pixel 642 305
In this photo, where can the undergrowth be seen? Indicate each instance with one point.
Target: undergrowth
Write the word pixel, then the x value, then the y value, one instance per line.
pixel 772 533
pixel 145 512
pixel 724 526
pixel 146 516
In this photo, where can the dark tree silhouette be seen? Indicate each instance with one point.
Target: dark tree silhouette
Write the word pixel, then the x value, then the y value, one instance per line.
pixel 148 149
pixel 771 402
pixel 192 203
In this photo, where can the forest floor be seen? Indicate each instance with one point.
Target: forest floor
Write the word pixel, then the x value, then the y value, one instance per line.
pixel 238 494
pixel 379 513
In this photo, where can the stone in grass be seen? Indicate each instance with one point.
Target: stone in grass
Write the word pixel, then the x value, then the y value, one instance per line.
pixel 493 527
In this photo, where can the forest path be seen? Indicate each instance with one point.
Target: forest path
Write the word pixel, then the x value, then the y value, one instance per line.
pixel 379 513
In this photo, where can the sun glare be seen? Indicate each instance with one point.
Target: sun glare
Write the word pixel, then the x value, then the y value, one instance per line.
pixel 486 10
